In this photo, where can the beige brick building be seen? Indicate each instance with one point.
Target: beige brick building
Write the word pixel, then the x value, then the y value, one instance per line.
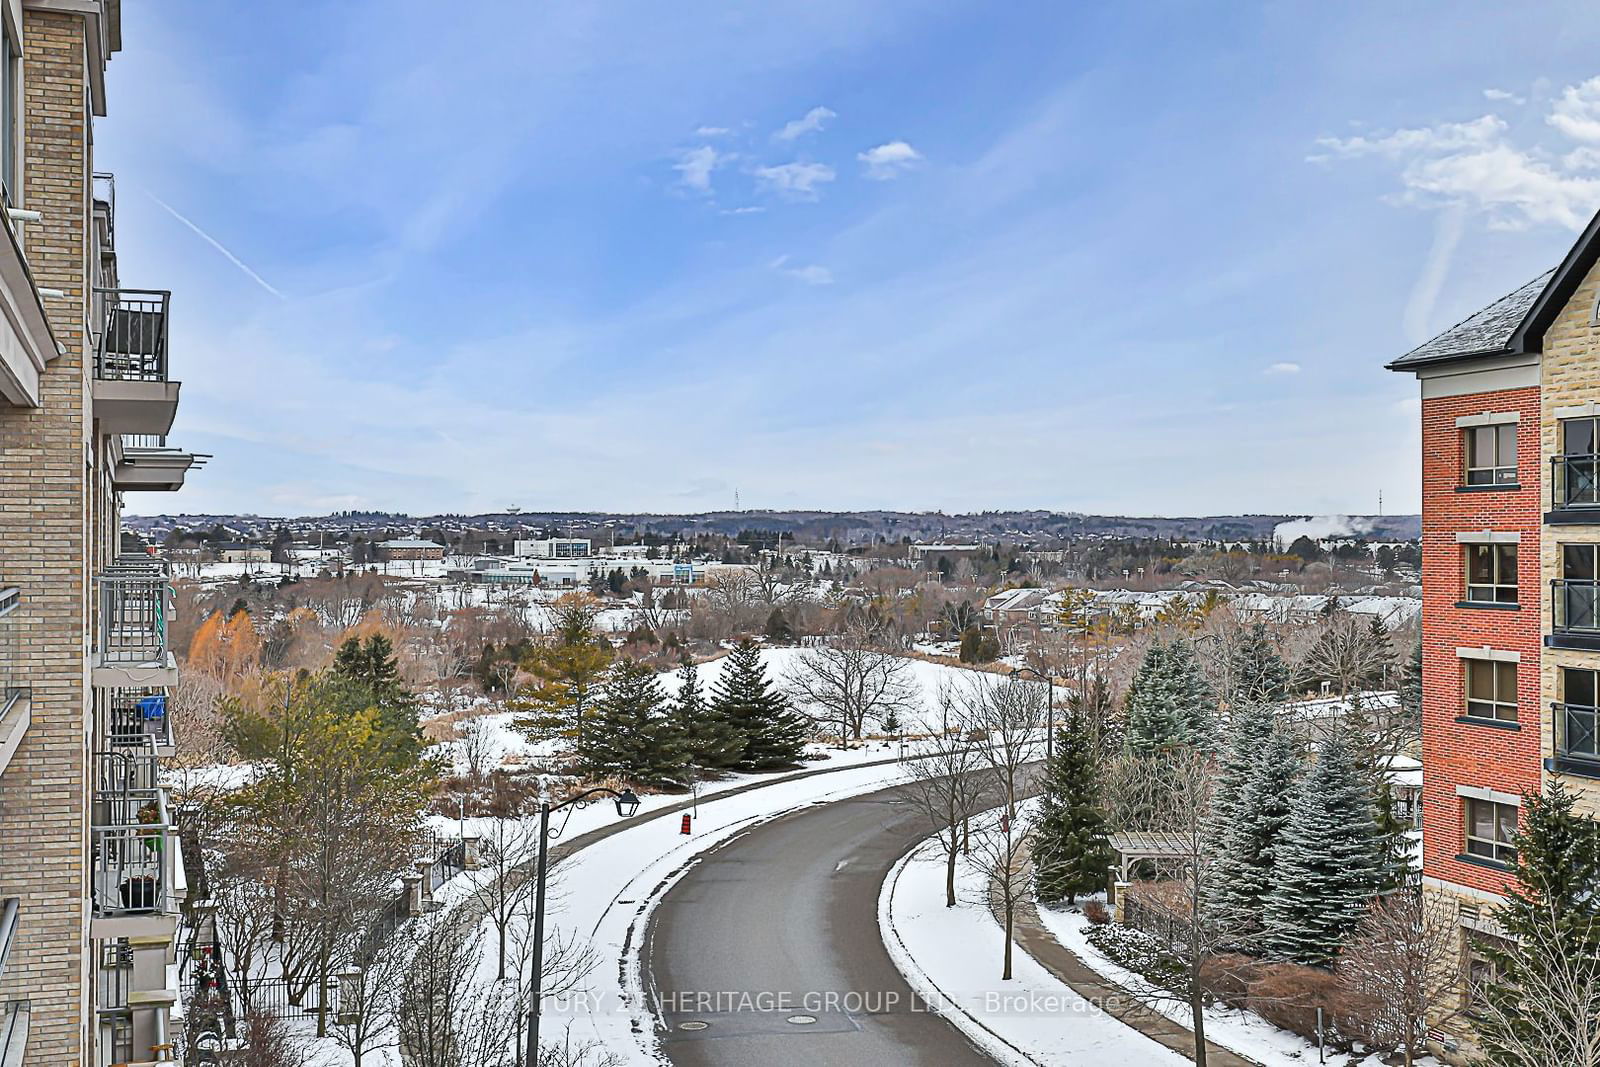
pixel 91 878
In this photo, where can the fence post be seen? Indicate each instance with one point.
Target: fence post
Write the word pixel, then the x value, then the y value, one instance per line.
pixel 414 884
pixel 470 857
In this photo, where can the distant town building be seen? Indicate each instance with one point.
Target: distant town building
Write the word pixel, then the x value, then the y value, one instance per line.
pixel 408 548
pixel 242 552
pixel 555 548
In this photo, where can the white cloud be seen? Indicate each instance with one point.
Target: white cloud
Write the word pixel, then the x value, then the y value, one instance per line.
pixel 1577 112
pixel 748 209
pixel 695 165
pixel 889 160
pixel 796 180
pixel 811 275
pixel 712 131
pixel 1498 95
pixel 1445 137
pixel 810 122
pixel 1276 369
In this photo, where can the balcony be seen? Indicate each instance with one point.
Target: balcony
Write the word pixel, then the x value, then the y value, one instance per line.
pixel 16 713
pixel 1574 614
pixel 135 604
pixel 1577 740
pixel 132 392
pixel 146 463
pixel 130 718
pixel 136 880
pixel 1574 490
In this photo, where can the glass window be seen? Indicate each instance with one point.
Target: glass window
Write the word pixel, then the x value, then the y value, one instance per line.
pixel 1491 690
pixel 1490 828
pixel 1577 563
pixel 1492 455
pixel 1481 971
pixel 1492 573
pixel 8 118
pixel 1577 437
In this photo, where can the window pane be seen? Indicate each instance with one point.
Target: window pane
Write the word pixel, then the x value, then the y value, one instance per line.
pixel 1577 686
pixel 1577 437
pixel 1577 562
pixel 1481 450
pixel 1506 563
pixel 1505 822
pixel 1480 819
pixel 1480 565
pixel 1505 675
pixel 1506 450
pixel 1480 682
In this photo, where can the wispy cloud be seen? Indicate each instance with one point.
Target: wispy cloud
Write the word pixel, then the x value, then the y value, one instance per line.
pixel 695 165
pixel 218 245
pixel 888 161
pixel 811 275
pixel 712 131
pixel 1278 370
pixel 798 181
pixel 810 122
pixel 1498 95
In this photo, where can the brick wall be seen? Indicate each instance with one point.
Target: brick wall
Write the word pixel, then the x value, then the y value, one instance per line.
pixel 44 538
pixel 1457 753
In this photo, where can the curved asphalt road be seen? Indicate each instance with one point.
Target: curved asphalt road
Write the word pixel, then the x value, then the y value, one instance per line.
pixel 783 922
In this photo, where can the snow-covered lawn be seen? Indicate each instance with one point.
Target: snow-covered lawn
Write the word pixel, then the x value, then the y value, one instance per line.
pixel 952 958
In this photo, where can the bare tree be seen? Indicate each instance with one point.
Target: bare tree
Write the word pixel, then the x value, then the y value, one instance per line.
pixel 506 850
pixel 1008 717
pixel 1400 968
pixel 999 851
pixel 369 997
pixel 947 785
pixel 269 1042
pixel 1562 994
pixel 850 680
pixel 476 747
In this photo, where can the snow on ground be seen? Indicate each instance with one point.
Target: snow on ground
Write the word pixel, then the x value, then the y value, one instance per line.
pixel 952 958
pixel 1243 1032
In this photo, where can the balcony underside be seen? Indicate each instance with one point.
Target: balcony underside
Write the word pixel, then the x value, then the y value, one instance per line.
pixel 135 407
pixel 155 470
pixel 1579 641
pixel 136 674
pixel 154 925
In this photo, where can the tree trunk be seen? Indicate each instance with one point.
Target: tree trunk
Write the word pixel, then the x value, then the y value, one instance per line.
pixel 1006 977
pixel 1197 1011
pixel 950 878
pixel 500 973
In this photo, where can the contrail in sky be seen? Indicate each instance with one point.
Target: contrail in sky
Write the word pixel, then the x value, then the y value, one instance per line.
pixel 214 243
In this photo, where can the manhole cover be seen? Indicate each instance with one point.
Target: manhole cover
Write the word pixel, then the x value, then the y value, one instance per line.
pixel 802 1020
pixel 693 1024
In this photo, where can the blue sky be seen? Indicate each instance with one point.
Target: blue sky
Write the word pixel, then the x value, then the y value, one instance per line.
pixel 1137 258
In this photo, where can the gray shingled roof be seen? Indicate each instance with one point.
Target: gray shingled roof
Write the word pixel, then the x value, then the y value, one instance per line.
pixel 1483 331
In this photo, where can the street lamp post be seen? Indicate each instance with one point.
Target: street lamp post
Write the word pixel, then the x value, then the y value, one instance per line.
pixel 627 803
pixel 1050 700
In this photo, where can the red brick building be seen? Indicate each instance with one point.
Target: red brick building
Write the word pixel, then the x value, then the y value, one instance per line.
pixel 1511 581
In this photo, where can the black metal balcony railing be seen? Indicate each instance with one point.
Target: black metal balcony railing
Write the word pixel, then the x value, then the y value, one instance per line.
pixel 1576 734
pixel 1574 481
pixel 1575 606
pixel 135 605
pixel 133 335
pixel 132 717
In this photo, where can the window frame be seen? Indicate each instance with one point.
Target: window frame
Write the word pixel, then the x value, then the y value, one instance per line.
pixel 1497 585
pixel 1497 850
pixel 1494 705
pixel 1561 742
pixel 1498 471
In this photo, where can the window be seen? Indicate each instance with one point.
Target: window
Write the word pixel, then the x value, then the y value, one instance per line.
pixel 1577 468
pixel 1490 827
pixel 8 118
pixel 1492 574
pixel 1575 599
pixel 1576 715
pixel 1481 971
pixel 1491 690
pixel 1492 455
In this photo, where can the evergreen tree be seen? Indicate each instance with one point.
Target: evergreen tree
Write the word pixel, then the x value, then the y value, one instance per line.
pixel 628 736
pixel 1325 863
pixel 1070 852
pixel 1256 672
pixel 1248 840
pixel 1411 688
pixel 1552 920
pixel 1169 704
pixel 1382 652
pixel 373 665
pixel 1394 842
pixel 772 734
pixel 708 739
pixel 778 628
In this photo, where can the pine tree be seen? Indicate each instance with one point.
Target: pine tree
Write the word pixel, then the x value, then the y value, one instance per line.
pixel 1256 672
pixel 708 739
pixel 628 736
pixel 1411 688
pixel 374 666
pixel 1070 852
pixel 1325 864
pixel 1169 704
pixel 772 734
pixel 1551 917
pixel 1382 654
pixel 1394 842
pixel 1248 838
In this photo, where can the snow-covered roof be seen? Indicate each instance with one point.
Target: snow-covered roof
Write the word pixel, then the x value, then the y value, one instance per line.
pixel 409 542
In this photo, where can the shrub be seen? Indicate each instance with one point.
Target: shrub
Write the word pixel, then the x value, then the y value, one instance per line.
pixel 1226 978
pixel 1138 952
pixel 1096 912
pixel 1288 995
